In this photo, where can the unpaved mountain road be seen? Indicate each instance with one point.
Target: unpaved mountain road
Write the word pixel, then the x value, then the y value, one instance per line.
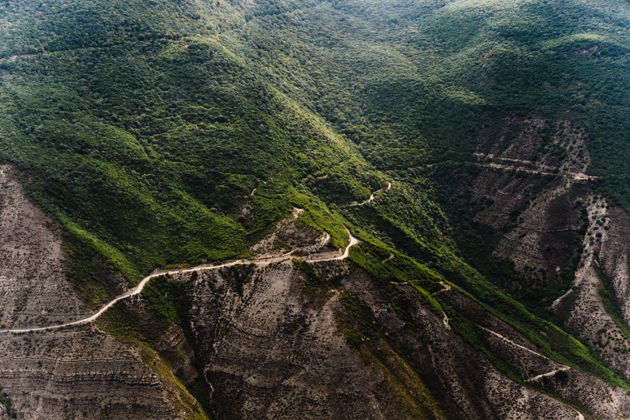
pixel 317 257
pixel 548 374
pixel 562 368
pixel 526 166
pixel 371 198
pixel 314 258
pixel 507 340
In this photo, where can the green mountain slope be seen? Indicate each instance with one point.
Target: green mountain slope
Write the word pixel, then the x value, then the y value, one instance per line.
pixel 180 132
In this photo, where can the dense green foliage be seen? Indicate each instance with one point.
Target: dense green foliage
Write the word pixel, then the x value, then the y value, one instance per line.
pixel 149 151
pixel 148 135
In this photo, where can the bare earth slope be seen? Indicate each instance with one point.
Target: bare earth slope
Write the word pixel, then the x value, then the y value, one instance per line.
pixel 33 287
pixel 272 346
pixel 556 231
pixel 79 373
pixel 261 340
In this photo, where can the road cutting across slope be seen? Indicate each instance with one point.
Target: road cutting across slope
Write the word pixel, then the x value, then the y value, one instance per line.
pixel 526 166
pixel 548 374
pixel 324 257
pixel 371 198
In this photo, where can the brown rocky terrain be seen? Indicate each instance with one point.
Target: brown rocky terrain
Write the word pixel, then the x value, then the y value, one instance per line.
pixel 31 249
pixel 272 338
pixel 271 345
pixel 78 373
pixel 553 228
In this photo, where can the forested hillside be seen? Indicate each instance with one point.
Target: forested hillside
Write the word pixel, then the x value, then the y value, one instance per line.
pixel 162 134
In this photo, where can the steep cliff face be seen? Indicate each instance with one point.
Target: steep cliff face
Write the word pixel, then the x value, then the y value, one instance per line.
pixel 567 247
pixel 592 307
pixel 78 373
pixel 320 339
pixel 34 288
pixel 615 258
pixel 531 193
pixel 271 344
pixel 270 351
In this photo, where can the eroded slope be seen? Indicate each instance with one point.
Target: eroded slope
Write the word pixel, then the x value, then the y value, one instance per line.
pixel 79 373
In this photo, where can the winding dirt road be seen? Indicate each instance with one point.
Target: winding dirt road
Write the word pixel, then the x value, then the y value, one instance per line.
pixel 372 197
pixel 548 374
pixel 563 368
pixel 507 340
pixel 322 257
pixel 529 167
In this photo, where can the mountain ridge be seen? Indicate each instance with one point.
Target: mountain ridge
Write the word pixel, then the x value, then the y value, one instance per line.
pixel 180 133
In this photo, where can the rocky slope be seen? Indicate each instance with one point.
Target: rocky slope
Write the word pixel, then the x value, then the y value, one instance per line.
pixel 553 229
pixel 33 285
pixel 279 341
pixel 287 340
pixel 78 373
